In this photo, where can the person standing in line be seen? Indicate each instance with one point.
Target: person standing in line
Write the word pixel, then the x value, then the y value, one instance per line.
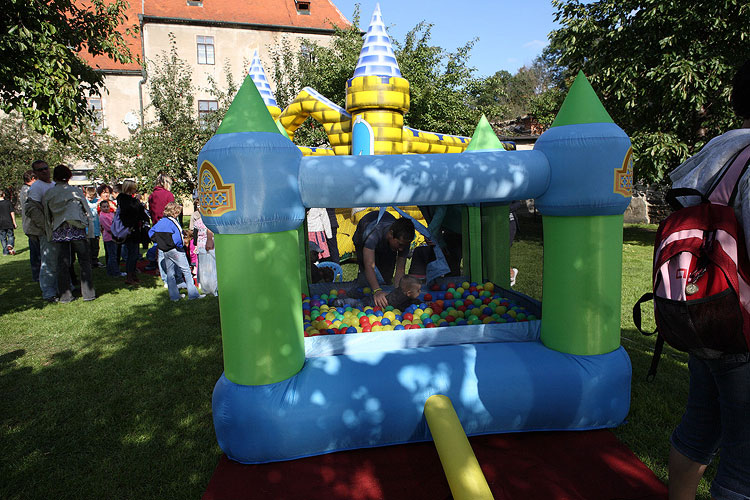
pixel 93 203
pixel 29 177
pixel 69 225
pixel 34 211
pixel 717 414
pixel 167 234
pixel 106 215
pixel 156 203
pixel 7 225
pixel 133 215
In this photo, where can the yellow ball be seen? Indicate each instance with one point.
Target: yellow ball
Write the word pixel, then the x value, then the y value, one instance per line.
pixel 512 313
pixel 406 322
pixel 428 311
pixel 487 320
pixel 501 310
pixel 418 312
pixel 466 285
pixel 489 287
pixel 377 328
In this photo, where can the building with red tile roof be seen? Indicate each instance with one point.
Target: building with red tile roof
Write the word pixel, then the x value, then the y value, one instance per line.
pixel 209 35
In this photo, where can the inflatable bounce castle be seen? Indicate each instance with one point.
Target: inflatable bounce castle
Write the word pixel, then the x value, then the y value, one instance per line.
pixel 283 395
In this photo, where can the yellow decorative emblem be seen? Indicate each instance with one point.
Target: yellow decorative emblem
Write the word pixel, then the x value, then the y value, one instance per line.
pixel 216 198
pixel 624 175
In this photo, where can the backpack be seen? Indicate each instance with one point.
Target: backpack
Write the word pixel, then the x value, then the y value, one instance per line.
pixel 701 272
pixel 118 229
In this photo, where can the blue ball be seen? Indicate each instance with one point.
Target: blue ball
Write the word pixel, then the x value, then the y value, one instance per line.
pixel 379 314
pixel 462 322
pixel 488 311
pixel 385 321
pixel 351 329
pixel 340 310
pixel 399 327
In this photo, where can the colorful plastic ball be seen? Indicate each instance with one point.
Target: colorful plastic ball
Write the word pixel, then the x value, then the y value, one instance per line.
pixel 399 327
pixel 385 321
pixel 466 285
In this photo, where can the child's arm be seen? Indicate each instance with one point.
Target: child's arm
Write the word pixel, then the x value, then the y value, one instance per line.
pixel 13 218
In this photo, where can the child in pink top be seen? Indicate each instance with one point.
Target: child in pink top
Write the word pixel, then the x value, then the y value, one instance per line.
pixel 192 252
pixel 106 214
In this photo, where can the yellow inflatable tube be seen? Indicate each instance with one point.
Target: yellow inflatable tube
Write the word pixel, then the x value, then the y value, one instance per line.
pixel 461 468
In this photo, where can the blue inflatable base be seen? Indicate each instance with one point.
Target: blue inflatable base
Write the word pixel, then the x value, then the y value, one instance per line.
pixel 369 398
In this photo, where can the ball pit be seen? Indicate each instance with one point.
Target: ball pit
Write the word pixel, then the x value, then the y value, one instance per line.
pixel 443 306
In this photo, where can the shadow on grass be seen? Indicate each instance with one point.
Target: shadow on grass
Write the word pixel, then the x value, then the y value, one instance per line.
pixel 123 413
pixel 643 235
pixel 20 293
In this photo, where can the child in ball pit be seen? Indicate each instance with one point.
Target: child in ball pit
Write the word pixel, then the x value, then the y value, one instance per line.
pixel 400 298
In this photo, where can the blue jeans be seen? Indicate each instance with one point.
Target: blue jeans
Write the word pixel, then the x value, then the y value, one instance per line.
pixel 47 268
pixel 7 239
pixel 176 261
pixel 716 418
pixel 132 247
pixel 34 256
pixel 110 253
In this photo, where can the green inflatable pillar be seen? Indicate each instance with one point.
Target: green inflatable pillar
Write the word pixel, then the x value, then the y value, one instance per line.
pixel 260 295
pixel 496 244
pixel 582 282
pixel 490 256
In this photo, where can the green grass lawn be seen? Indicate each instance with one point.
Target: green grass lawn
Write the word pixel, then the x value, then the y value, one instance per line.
pixel 112 398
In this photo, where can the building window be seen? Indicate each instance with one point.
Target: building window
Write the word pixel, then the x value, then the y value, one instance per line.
pixel 95 105
pixel 303 6
pixel 205 108
pixel 195 3
pixel 205 50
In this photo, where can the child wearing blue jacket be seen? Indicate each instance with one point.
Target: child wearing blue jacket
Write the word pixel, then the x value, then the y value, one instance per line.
pixel 167 234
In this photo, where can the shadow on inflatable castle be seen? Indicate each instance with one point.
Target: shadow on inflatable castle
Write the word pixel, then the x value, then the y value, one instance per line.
pixel 284 395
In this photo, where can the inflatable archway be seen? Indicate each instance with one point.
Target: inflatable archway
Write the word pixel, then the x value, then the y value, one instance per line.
pixel 284 396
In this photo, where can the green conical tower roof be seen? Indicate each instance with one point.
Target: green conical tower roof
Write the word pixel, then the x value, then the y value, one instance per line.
pixel 484 137
pixel 581 105
pixel 248 112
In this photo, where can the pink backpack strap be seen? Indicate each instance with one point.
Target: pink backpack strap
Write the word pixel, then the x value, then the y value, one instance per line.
pixel 721 194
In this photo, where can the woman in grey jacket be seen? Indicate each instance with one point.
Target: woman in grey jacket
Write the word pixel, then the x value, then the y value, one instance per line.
pixel 68 224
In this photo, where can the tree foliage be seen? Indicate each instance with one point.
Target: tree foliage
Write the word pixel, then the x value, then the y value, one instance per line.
pixel 662 68
pixel 42 76
pixel 20 146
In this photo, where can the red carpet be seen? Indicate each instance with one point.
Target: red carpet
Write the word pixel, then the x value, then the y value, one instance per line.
pixel 592 465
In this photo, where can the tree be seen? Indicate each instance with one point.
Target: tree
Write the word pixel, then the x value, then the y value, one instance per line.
pixel 662 68
pixel 42 75
pixel 20 146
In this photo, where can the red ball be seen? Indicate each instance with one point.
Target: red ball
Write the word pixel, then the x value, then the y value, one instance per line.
pixel 430 325
pixel 448 295
pixel 366 328
pixel 435 287
pixel 462 308
pixel 409 316
pixel 342 292
pixel 486 300
pixel 450 318
pixel 377 323
pixel 451 285
pixel 427 297
pixel 364 320
pixel 473 290
pixel 341 331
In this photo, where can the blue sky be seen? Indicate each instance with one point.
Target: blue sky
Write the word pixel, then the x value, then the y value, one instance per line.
pixel 511 32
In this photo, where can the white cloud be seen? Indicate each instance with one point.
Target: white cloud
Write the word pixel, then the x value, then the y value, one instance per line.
pixel 535 44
